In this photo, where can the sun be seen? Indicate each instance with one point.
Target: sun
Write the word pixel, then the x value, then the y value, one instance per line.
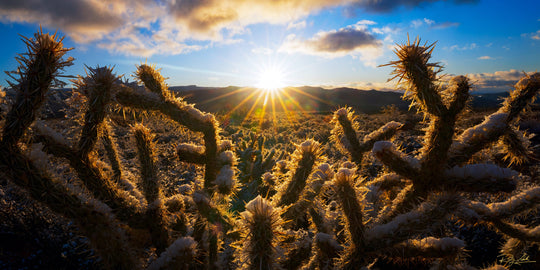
pixel 271 80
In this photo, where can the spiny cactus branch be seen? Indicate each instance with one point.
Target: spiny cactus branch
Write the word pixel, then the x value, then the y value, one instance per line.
pixel 38 69
pixel 418 76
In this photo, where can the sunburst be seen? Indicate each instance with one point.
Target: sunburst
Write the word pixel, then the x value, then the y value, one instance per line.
pixel 271 80
pixel 269 95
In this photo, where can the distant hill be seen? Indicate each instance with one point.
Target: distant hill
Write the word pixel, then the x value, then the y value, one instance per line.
pixel 308 98
pixel 305 98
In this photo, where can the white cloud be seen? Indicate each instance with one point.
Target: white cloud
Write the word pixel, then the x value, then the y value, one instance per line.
pixel 485 57
pixel 432 24
pixel 497 81
pixel 296 25
pixel 470 46
pixel 536 36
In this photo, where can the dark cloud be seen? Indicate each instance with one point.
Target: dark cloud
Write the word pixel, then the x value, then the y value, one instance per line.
pixel 344 40
pixel 88 18
pixel 384 6
pixel 202 15
pixel 353 40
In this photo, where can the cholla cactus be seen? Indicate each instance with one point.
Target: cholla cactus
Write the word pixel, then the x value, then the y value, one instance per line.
pixel 262 223
pixel 442 163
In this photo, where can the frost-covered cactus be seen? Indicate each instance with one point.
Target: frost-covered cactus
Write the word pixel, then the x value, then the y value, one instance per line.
pixel 442 163
pixel 304 160
pixel 259 247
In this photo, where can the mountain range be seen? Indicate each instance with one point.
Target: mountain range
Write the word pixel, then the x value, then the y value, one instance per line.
pixel 305 98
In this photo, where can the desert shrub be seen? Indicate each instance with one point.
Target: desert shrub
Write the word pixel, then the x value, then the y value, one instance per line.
pixel 307 210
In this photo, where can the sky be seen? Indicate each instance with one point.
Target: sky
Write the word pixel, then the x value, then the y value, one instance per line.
pixel 329 43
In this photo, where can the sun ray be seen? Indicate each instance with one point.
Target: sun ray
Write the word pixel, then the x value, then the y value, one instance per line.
pixel 285 110
pixel 241 103
pixel 294 102
pixel 226 94
pixel 274 120
pixel 254 105
pixel 309 95
pixel 263 112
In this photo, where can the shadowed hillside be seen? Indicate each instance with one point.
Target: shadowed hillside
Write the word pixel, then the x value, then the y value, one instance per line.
pixel 309 99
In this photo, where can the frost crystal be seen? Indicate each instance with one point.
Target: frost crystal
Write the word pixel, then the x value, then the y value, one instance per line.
pixel 38 157
pixel 481 171
pixel 381 146
pixel 342 112
pixel 183 247
pixel 524 198
pixel 227 157
pixel 46 130
pixel 225 177
pixel 190 148
pixel 259 205
pixel 444 244
pixel 493 122
pixel 389 126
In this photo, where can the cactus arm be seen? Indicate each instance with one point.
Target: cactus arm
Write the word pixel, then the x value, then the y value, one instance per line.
pixel 98 88
pixel 190 153
pixel 428 215
pixel 479 178
pixel 101 187
pixel 398 162
pixel 426 248
pixel 459 90
pixel 262 224
pixel 111 152
pixel 183 114
pixel 525 93
pixel 305 157
pixel 383 133
pixel 38 69
pixel 419 76
pixel 155 212
pixel 346 135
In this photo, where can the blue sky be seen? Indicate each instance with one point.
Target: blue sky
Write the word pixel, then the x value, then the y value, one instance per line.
pixel 329 43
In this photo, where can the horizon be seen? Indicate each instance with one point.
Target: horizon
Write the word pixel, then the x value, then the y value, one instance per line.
pixel 267 44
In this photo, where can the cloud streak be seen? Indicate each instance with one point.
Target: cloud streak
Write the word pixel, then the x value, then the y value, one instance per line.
pixel 432 24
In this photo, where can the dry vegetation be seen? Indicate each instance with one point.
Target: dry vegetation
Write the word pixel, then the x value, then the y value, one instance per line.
pixel 135 177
